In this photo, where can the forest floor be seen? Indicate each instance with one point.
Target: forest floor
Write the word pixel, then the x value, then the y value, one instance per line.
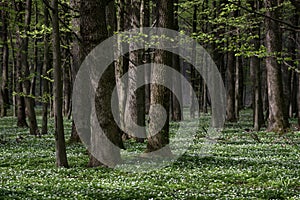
pixel 237 167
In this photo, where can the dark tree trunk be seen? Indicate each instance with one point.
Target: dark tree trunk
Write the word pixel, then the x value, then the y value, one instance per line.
pixel 76 57
pixel 159 94
pixel 46 67
pixel 278 120
pixel 4 98
pixel 29 101
pixel 20 102
pixel 192 69
pixel 230 109
pixel 34 68
pixel 255 70
pixel 60 146
pixel 176 111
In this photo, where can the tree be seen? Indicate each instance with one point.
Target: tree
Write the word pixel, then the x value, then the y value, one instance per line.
pixel 278 120
pixel 24 72
pixel 93 31
pixel 255 62
pixel 61 155
pixel 160 94
pixel 21 116
pixel 46 67
pixel 76 57
pixel 4 98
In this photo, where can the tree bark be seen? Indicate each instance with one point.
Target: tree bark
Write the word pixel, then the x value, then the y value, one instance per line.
pixel 76 57
pixel 4 98
pixel 46 67
pixel 176 111
pixel 60 147
pixel 255 70
pixel 29 100
pixel 93 31
pixel 278 120
pixel 159 94
pixel 20 102
pixel 230 109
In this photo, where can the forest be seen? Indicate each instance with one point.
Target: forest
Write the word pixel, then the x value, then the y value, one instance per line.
pixel 150 99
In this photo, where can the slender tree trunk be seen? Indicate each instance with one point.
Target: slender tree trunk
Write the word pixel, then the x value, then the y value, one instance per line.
pixel 159 94
pixel 255 70
pixel 34 69
pixel 60 147
pixel 230 109
pixel 145 22
pixel 278 120
pixel 76 57
pixel 46 67
pixel 20 102
pixel 176 112
pixel 29 101
pixel 5 55
pixel 192 69
pixel 120 65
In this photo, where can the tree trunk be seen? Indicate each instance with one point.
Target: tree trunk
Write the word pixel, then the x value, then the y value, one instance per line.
pixel 120 65
pixel 5 55
pixel 20 102
pixel 76 57
pixel 230 109
pixel 255 70
pixel 29 100
pixel 278 120
pixel 93 31
pixel 159 94
pixel 192 69
pixel 46 67
pixel 176 112
pixel 34 68
pixel 60 147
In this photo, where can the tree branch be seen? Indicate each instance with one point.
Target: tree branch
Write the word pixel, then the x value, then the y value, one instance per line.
pixel 295 28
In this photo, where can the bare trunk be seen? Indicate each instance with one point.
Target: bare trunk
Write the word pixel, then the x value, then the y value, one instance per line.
pixel 60 147
pixel 176 112
pixel 230 109
pixel 93 31
pixel 278 120
pixel 76 57
pixel 46 67
pixel 29 101
pixel 5 55
pixel 159 94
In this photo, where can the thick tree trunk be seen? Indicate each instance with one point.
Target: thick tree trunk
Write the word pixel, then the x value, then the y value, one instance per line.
pixel 4 98
pixel 93 31
pixel 278 120
pixel 131 103
pixel 159 94
pixel 60 147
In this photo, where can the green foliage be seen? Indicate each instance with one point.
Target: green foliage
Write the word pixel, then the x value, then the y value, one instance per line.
pixel 237 168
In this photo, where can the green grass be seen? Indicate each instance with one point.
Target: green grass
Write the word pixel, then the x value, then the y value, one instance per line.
pixel 237 167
